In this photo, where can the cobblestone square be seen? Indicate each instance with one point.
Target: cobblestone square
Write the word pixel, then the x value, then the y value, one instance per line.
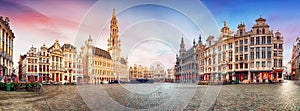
pixel 164 96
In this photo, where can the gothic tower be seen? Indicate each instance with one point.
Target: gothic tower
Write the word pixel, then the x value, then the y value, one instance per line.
pixel 182 48
pixel 113 41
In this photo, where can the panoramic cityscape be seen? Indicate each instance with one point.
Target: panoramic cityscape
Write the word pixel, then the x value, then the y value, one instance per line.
pixel 148 55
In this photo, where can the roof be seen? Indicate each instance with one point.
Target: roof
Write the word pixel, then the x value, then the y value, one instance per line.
pixel 100 52
pixel 122 61
pixel 68 46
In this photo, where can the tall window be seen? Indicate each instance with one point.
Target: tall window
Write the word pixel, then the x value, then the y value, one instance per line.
pixel 252 41
pixel 224 56
pixel 263 64
pixel 269 63
pixel 263 31
pixel 257 40
pixel 263 40
pixel 269 52
pixel 241 65
pixel 280 63
pixel 230 45
pixel 257 64
pixel 252 53
pixel 241 32
pixel 257 31
pixel 275 53
pixel 241 48
pixel 246 56
pixel 252 65
pixel 241 42
pixel 275 46
pixel 275 62
pixel 241 57
pixel 246 41
pixel 280 46
pixel 263 52
pixel 257 53
pixel 269 39
pixel 230 56
pixel 236 49
pixel 246 48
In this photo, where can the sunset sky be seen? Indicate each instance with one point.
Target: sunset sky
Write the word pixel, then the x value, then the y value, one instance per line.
pixel 146 31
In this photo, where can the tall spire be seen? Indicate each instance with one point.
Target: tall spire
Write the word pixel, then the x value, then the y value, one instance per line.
pixel 182 49
pixel 194 42
pixel 182 43
pixel 224 23
pixel 200 39
pixel 114 12
pixel 113 41
pixel 90 38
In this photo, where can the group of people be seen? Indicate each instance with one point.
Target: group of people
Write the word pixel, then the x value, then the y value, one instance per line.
pixel 9 78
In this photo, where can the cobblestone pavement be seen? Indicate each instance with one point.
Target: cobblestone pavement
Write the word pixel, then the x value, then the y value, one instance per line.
pixel 263 97
pixel 236 97
pixel 52 98
pixel 129 97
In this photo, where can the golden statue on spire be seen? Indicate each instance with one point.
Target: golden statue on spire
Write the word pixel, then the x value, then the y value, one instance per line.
pixel 114 12
pixel 224 23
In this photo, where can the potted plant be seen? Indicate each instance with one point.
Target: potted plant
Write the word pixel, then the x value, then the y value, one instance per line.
pixel 8 86
pixel 2 86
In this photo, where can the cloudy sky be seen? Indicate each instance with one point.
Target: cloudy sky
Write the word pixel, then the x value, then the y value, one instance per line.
pixel 149 30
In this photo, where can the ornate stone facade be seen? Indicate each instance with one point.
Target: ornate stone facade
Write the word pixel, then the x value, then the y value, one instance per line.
pixel 295 61
pixel 97 64
pixel 119 63
pixel 140 72
pixel 6 48
pixel 186 64
pixel 244 56
pixel 56 64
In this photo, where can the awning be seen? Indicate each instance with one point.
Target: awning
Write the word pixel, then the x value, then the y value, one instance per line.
pixel 278 70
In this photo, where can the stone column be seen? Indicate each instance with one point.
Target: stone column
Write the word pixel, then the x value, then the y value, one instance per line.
pixel 249 77
pixel 260 77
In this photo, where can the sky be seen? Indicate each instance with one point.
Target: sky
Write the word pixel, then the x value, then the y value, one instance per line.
pixel 149 30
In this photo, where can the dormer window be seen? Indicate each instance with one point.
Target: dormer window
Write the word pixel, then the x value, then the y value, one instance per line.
pixel 257 31
pixel 263 31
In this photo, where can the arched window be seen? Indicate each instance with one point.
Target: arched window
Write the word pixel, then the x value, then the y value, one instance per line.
pixel 257 31
pixel 241 32
pixel 263 31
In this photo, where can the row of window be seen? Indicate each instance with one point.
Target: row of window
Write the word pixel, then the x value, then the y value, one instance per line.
pixel 191 66
pixel 69 56
pixel 258 64
pixel 5 38
pixel 253 41
pixel 279 46
pixel 102 72
pixel 56 58
pixel 102 64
